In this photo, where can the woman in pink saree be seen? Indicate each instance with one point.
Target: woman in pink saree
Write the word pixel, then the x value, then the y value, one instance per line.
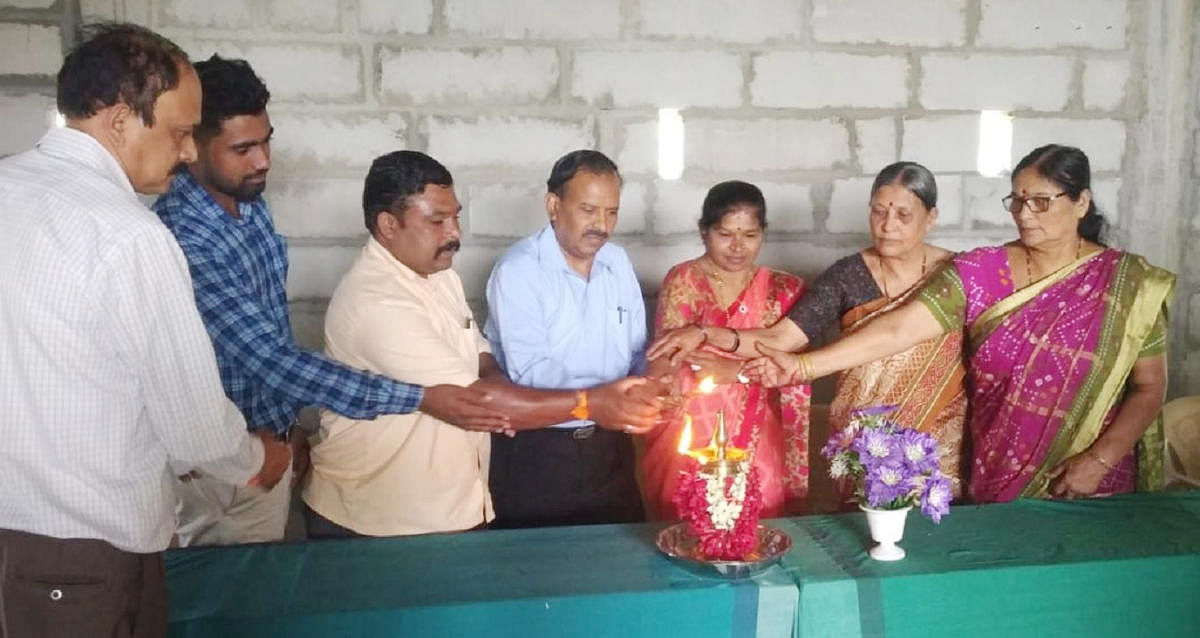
pixel 725 288
pixel 1065 345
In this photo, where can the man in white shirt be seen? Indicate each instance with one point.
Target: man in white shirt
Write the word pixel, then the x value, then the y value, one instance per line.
pixel 401 311
pixel 109 379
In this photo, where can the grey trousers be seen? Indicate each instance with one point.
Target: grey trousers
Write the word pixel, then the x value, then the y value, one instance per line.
pixel 211 512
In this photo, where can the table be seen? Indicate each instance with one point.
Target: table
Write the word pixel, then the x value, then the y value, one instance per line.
pixel 568 581
pixel 1122 566
pixel 1127 566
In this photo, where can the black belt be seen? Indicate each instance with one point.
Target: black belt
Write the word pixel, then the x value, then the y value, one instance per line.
pixel 579 434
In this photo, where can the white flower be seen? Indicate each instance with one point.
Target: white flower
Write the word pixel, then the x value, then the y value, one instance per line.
pixel 724 509
pixel 889 476
pixel 839 466
pixel 936 498
pixel 724 514
pixel 878 448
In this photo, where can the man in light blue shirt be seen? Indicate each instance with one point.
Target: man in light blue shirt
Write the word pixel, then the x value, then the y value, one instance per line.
pixel 566 312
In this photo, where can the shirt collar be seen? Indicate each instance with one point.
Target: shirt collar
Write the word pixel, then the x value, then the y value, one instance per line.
pixel 550 254
pixel 376 252
pixel 76 146
pixel 184 185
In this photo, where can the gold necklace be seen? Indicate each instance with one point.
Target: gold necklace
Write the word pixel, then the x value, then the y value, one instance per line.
pixel 712 271
pixel 1029 259
pixel 883 273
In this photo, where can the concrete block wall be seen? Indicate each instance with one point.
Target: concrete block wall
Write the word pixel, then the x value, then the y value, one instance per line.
pixel 807 98
pixel 1186 322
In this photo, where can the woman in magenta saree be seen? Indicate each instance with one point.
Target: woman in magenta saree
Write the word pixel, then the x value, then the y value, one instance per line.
pixel 1065 342
pixel 725 288
pixel 1047 367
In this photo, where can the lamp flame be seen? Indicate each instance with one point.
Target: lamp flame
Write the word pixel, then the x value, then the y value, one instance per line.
pixel 707 385
pixel 685 438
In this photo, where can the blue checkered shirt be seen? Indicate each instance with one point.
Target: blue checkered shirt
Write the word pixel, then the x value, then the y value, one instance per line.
pixel 239 268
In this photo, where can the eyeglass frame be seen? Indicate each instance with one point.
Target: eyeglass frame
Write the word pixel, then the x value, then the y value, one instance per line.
pixel 1008 200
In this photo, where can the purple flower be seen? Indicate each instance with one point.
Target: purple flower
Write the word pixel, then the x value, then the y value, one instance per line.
pixel 875 410
pixel 935 498
pixel 918 451
pixel 833 446
pixel 840 440
pixel 891 466
pixel 876 447
pixel 887 483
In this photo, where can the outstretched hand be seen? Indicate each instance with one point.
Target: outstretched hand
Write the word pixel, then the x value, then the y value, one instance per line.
pixel 774 369
pixel 467 408
pixel 723 370
pixel 676 344
pixel 629 405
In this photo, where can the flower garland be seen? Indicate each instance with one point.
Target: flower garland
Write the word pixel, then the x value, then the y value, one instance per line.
pixel 722 515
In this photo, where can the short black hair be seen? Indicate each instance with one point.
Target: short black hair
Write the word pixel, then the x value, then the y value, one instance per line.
pixel 570 164
pixel 1068 167
pixel 395 177
pixel 118 63
pixel 230 88
pixel 725 196
pixel 916 178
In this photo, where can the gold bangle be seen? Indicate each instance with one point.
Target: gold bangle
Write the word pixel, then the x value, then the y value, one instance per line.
pixel 1100 459
pixel 804 369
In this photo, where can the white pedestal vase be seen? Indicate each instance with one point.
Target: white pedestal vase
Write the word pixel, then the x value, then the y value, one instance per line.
pixel 887 528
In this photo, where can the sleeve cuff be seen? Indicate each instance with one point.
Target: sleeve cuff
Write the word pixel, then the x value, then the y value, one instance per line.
pixel 403 398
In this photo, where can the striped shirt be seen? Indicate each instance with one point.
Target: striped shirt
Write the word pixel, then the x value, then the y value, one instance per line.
pixel 239 271
pixel 107 377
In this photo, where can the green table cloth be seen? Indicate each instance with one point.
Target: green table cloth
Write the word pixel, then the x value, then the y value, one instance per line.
pixel 1123 566
pixel 603 580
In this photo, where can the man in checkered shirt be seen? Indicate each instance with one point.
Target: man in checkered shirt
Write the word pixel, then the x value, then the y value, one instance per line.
pixel 239 266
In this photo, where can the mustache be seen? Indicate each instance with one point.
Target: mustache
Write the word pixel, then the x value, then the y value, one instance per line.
pixel 448 247
pixel 258 175
pixel 595 233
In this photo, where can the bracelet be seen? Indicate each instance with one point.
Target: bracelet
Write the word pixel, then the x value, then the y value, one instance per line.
pixel 580 411
pixel 804 369
pixel 1100 459
pixel 737 341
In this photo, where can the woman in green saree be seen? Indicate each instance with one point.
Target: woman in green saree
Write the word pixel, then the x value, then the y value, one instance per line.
pixel 1065 346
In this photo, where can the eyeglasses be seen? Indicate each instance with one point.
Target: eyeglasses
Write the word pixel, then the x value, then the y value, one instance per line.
pixel 1037 203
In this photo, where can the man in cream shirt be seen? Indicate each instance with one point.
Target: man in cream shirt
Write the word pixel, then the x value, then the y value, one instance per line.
pixel 401 311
